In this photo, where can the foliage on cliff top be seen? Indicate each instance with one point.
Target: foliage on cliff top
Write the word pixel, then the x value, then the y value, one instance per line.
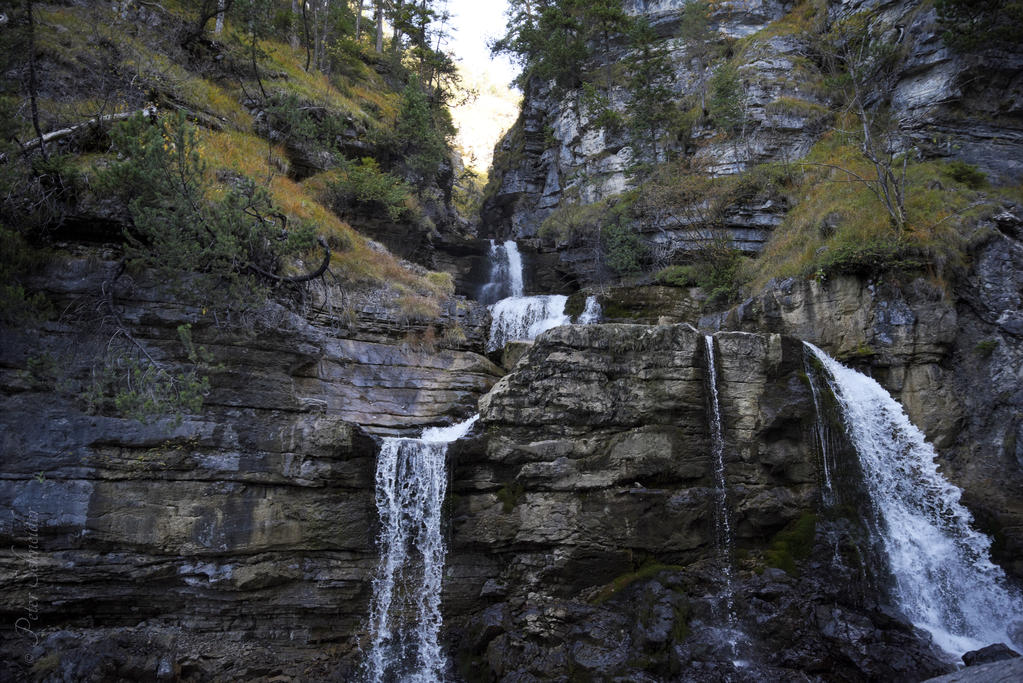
pixel 974 25
pixel 836 224
pixel 238 88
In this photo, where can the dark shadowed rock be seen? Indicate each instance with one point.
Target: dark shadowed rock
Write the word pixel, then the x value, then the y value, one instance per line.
pixel 992 653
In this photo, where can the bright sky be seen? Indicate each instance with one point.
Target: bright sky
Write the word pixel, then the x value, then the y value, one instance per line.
pixel 475 22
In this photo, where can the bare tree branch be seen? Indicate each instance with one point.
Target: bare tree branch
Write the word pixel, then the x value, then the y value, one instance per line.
pixel 294 279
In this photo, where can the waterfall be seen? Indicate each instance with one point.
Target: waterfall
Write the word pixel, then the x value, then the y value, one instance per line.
pixel 945 581
pixel 823 434
pixel 591 312
pixel 405 617
pixel 505 273
pixel 525 317
pixel 522 317
pixel 722 523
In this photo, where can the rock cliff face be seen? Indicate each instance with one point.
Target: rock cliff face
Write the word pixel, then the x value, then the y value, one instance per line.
pixel 583 538
pixel 952 361
pixel 584 535
pixel 946 104
pixel 239 542
pixel 950 355
pixel 587 534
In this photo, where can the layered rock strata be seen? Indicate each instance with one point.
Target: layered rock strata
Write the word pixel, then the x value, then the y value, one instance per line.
pixel 583 537
pixel 232 543
pixel 947 104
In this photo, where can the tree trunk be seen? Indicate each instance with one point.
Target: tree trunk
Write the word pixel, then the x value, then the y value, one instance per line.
pixel 32 90
pixel 319 11
pixel 358 21
pixel 395 34
pixel 305 31
pixel 293 39
pixel 379 18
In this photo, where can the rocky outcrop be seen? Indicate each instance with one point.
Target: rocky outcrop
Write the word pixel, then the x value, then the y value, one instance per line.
pixel 948 105
pixel 587 162
pixel 236 542
pixel 951 360
pixel 583 538
pixel 647 305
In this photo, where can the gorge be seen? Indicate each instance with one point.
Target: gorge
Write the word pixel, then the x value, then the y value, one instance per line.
pixel 715 375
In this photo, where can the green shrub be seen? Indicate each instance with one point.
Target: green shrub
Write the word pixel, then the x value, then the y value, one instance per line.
pixel 130 384
pixel 869 258
pixel 676 276
pixel 17 305
pixel 418 143
pixel 718 268
pixel 976 25
pixel 598 107
pixel 967 174
pixel 725 103
pixel 985 348
pixel 443 283
pixel 231 242
pixel 570 224
pixel 624 251
pixel 363 184
pixel 792 544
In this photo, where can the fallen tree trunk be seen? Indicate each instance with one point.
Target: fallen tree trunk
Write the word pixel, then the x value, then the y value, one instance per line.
pixel 64 132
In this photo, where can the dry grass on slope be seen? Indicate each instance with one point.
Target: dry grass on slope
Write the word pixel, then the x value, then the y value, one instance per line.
pixel 97 62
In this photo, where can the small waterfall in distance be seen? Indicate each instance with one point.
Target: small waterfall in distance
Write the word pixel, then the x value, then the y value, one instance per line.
pixel 525 317
pixel 505 273
pixel 515 316
pixel 405 617
pixel 945 581
pixel 591 312
pixel 722 522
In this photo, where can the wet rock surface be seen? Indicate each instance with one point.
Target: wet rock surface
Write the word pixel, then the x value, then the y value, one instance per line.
pixel 583 537
pixel 992 653
pixel 1008 671
pixel 234 543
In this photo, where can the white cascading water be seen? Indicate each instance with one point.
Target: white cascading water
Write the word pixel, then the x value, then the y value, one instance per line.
pixel 405 617
pixel 591 312
pixel 945 580
pixel 525 317
pixel 411 479
pixel 516 316
pixel 505 273
pixel 722 523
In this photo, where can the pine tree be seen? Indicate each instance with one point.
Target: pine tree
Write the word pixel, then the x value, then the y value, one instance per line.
pixel 650 76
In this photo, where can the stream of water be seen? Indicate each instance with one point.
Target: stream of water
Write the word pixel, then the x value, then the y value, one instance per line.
pixel 731 632
pixel 945 581
pixel 519 317
pixel 405 617
pixel 505 278
pixel 411 480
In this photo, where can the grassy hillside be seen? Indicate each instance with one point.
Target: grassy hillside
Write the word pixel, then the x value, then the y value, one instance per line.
pixel 321 147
